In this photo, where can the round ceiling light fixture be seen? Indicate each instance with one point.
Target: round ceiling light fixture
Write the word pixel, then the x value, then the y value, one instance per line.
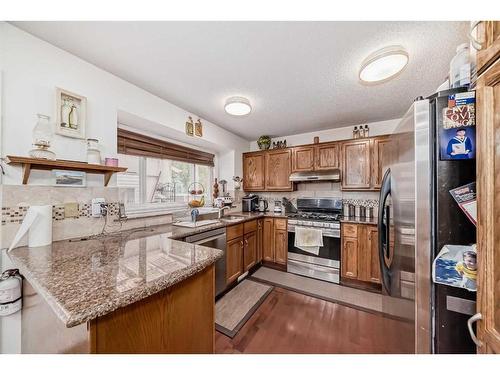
pixel 238 106
pixel 383 65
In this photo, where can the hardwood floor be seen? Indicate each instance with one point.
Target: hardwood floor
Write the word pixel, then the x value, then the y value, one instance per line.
pixel 290 322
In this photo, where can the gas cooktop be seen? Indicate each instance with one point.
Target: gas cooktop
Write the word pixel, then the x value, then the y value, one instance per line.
pixel 316 216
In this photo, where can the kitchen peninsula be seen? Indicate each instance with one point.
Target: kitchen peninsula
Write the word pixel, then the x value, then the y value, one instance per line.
pixel 134 291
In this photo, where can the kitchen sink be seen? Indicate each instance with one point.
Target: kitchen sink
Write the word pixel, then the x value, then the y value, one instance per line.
pixel 232 218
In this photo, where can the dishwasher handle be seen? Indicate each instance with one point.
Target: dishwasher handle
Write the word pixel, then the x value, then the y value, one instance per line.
pixel 207 239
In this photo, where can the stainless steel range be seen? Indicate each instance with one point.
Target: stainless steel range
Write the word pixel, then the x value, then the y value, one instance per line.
pixel 323 214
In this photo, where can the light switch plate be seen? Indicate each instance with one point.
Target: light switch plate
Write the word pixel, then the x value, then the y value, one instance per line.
pixel 71 209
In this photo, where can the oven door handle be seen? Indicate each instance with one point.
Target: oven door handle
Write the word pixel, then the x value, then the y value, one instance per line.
pixel 333 233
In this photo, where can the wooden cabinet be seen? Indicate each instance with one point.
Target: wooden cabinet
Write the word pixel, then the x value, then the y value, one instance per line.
pixel 324 156
pixel 268 240
pixel 349 258
pixel 372 266
pixel 275 241
pixel 488 199
pixel 253 171
pixel 381 160
pixel 260 237
pixel 488 35
pixel 359 253
pixel 280 241
pixel 249 250
pixel 234 259
pixel 356 164
pixel 277 170
pixel 364 162
pixel 242 248
pixel 303 158
pixel 327 156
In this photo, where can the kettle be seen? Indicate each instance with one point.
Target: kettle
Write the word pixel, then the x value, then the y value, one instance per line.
pixel 263 205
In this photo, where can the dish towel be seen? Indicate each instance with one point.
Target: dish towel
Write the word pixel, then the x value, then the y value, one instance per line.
pixel 308 239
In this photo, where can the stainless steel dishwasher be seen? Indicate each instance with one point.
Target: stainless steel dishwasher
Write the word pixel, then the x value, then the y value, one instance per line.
pixel 215 238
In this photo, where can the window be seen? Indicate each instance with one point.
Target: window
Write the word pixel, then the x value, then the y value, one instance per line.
pixel 161 181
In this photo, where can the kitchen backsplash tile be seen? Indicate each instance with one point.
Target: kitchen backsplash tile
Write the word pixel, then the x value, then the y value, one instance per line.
pixel 16 199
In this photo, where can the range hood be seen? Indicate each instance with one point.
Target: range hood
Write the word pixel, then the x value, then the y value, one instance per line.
pixel 331 175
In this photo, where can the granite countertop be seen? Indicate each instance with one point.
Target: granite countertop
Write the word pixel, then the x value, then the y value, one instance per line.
pixel 85 279
pixel 359 220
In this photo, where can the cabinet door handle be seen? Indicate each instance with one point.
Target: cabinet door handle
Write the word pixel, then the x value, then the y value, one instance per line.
pixel 241 243
pixel 474 318
pixel 246 242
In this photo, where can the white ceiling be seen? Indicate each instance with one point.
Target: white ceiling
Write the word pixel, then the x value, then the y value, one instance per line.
pixel 299 76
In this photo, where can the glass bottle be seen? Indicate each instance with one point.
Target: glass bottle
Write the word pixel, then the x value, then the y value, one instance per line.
pixel 355 133
pixel 93 153
pixel 367 131
pixel 361 132
pixel 42 137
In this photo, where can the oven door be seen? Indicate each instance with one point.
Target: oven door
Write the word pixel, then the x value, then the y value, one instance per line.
pixel 329 253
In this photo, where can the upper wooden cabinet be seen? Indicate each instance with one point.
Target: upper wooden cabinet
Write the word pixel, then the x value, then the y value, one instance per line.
pixel 327 156
pixel 303 159
pixel 317 157
pixel 488 35
pixel 381 160
pixel 363 163
pixel 356 164
pixel 278 169
pixel 253 171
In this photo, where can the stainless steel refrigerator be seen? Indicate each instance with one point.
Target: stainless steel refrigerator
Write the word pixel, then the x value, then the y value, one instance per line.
pixel 417 216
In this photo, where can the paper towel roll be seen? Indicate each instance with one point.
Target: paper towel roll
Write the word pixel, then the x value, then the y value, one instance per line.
pixel 38 221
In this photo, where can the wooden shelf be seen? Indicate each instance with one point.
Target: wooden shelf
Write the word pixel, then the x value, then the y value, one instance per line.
pixel 43 164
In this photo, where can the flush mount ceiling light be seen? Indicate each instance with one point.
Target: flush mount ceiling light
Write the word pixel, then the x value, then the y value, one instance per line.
pixel 238 106
pixel 383 65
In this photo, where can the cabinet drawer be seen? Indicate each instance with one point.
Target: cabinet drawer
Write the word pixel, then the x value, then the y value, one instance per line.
pixel 280 224
pixel 349 230
pixel 250 226
pixel 234 231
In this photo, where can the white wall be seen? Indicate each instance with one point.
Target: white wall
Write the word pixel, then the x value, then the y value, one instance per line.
pixel 336 134
pixel 32 69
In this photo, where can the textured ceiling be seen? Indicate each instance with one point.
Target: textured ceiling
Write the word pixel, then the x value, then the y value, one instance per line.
pixel 299 76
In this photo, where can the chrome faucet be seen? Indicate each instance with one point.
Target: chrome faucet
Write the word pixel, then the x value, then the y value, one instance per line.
pixel 221 211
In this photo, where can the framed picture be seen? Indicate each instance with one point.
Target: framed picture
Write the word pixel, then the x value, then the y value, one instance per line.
pixel 198 128
pixel 190 127
pixel 69 178
pixel 71 113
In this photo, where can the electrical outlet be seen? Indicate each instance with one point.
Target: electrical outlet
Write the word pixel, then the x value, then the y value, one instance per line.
pixel 71 209
pixel 96 207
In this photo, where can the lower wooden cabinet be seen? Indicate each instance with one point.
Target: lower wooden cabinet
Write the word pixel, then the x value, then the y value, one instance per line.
pixel 242 248
pixel 268 240
pixel 249 250
pixel 349 258
pixel 359 253
pixel 260 235
pixel 275 240
pixel 234 259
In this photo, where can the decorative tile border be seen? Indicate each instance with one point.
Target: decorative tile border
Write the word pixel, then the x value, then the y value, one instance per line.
pixel 16 214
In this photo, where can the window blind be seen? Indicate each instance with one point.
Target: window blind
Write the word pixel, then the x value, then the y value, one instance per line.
pixel 131 143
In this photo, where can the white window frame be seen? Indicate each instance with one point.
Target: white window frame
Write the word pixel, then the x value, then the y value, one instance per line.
pixel 164 208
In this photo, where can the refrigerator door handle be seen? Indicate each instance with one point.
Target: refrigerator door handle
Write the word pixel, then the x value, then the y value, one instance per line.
pixel 383 231
pixel 474 318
